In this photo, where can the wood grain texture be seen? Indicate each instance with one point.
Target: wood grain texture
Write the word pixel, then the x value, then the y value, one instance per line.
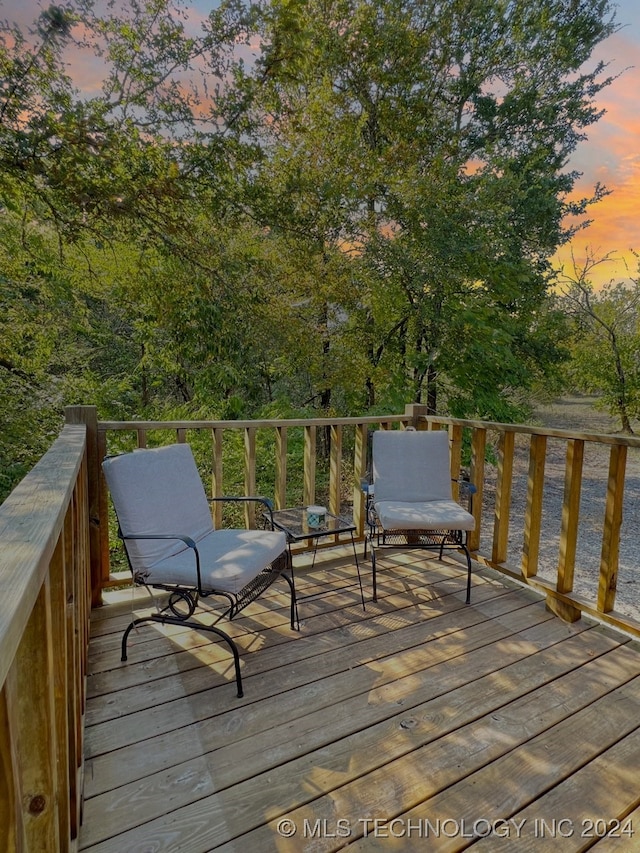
pixel 419 706
pixel 45 594
pixel 503 498
pixel 533 514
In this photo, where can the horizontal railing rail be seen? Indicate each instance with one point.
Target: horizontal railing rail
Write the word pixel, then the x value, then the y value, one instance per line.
pixel 534 509
pixel 44 631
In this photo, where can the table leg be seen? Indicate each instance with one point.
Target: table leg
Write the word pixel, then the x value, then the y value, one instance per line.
pixel 355 556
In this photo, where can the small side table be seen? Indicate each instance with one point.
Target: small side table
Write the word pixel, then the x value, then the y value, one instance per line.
pixel 293 522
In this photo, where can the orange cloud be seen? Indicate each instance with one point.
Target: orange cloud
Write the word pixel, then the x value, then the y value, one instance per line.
pixel 611 157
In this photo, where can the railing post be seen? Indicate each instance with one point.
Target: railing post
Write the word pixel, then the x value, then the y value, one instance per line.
pixel 88 415
pixel 416 412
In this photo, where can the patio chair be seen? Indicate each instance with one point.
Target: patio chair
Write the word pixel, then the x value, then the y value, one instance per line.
pixel 410 501
pixel 165 522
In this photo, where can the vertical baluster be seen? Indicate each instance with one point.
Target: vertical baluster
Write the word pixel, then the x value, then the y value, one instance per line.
pixel 611 534
pixel 478 449
pixel 75 621
pixel 569 531
pixel 103 564
pixel 9 829
pixel 309 464
pixel 360 463
pixel 250 487
pixel 533 514
pixel 31 715
pixel 280 495
pixel 335 469
pixel 570 514
pixel 59 675
pixel 455 437
pixel 503 497
pixel 216 476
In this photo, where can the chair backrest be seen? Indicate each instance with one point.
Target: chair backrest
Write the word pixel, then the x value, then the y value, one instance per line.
pixel 157 491
pixel 411 465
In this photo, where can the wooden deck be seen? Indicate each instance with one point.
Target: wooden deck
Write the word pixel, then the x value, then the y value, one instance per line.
pixel 421 724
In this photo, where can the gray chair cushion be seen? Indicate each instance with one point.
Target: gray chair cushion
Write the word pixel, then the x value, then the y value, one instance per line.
pixel 411 466
pixel 229 559
pixel 423 515
pixel 158 491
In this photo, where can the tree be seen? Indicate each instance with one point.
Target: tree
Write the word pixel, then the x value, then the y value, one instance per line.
pixel 99 194
pixel 358 214
pixel 606 339
pixel 433 137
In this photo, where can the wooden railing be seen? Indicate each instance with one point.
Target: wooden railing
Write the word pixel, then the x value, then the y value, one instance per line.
pixel 44 632
pixel 54 558
pixel 522 530
pixel 574 579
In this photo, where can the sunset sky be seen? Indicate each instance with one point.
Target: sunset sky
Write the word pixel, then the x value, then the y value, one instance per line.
pixel 611 155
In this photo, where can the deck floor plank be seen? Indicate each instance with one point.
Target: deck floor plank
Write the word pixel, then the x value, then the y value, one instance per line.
pixel 397 613
pixel 105 651
pixel 317 685
pixel 418 708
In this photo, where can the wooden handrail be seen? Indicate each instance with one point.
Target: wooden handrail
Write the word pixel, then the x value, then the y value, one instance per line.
pixel 491 542
pixel 44 615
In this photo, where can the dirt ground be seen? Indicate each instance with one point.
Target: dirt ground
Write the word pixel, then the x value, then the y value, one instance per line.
pixel 576 414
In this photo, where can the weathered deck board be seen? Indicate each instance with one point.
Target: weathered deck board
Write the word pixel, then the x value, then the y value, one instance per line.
pixel 419 708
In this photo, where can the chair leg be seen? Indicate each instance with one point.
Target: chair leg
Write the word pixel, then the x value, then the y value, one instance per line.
pixel 172 620
pixel 295 621
pixel 373 568
pixel 468 556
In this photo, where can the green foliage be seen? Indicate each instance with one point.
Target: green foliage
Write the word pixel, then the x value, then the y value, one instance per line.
pixel 357 215
pixel 605 341
pixel 451 126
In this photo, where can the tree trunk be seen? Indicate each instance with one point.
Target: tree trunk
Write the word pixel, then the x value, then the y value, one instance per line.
pixel 624 418
pixel 432 390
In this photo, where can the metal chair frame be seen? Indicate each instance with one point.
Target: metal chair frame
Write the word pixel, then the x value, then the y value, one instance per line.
pixel 184 598
pixel 434 540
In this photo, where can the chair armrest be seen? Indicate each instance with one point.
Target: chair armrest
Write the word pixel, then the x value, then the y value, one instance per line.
pixel 246 499
pixel 467 491
pixel 186 539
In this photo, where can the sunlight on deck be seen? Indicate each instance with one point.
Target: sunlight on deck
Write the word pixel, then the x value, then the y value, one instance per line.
pixel 418 711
